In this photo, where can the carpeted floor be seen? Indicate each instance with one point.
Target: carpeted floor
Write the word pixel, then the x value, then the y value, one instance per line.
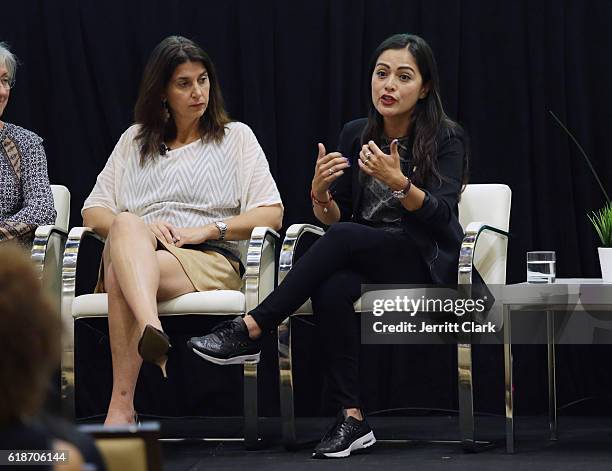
pixel 584 444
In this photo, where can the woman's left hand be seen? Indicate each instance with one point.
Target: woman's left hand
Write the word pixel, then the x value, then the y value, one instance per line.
pixel 384 167
pixel 196 235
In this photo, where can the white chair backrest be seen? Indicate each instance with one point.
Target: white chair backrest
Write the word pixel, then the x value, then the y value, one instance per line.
pixel 61 200
pixel 490 204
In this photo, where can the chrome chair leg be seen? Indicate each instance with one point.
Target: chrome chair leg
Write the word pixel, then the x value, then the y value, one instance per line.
pixel 67 376
pixel 508 382
pixel 466 396
pixel 250 404
pixel 69 267
pixel 552 380
pixel 286 384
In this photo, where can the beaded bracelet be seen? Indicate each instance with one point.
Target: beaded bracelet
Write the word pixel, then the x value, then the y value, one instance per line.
pixel 323 204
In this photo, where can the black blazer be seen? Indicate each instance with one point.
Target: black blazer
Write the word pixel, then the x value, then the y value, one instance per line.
pixel 435 226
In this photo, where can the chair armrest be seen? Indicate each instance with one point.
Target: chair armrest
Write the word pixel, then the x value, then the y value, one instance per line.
pixel 468 247
pixel 42 236
pixel 69 267
pixel 290 243
pixel 259 277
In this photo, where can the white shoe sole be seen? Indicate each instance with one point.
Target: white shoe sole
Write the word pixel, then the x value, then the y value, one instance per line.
pixel 229 361
pixel 360 444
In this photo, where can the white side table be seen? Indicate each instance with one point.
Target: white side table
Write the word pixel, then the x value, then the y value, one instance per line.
pixel 598 300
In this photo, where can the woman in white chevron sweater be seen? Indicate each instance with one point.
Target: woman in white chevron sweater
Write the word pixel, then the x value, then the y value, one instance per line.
pixel 181 187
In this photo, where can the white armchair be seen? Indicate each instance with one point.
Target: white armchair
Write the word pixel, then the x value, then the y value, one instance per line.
pixel 259 281
pixel 49 242
pixel 484 213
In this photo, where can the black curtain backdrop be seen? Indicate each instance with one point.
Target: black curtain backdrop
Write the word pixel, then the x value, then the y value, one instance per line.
pixel 295 72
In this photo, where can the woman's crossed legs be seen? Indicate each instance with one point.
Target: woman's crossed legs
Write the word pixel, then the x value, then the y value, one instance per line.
pixel 136 276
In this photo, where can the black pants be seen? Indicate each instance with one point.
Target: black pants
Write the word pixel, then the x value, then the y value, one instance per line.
pixel 331 273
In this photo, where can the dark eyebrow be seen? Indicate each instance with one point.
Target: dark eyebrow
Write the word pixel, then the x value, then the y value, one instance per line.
pixel 400 67
pixel 184 77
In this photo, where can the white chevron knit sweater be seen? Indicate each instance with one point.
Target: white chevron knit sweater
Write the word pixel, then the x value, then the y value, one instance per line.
pixel 191 186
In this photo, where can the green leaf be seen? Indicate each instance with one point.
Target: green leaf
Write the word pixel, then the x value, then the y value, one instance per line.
pixel 602 222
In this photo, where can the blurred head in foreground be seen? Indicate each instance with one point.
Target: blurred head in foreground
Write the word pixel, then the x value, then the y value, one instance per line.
pixel 29 337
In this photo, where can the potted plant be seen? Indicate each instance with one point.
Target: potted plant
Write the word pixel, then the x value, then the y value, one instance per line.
pixel 602 221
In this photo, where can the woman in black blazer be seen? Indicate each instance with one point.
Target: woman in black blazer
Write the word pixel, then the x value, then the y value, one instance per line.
pixel 389 195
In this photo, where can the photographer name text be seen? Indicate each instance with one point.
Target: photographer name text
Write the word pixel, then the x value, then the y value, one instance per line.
pixel 380 327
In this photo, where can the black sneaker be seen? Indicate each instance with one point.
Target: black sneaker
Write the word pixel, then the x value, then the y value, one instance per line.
pixel 345 436
pixel 227 344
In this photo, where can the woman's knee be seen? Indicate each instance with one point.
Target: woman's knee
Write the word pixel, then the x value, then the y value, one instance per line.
pixel 342 230
pixel 337 238
pixel 125 224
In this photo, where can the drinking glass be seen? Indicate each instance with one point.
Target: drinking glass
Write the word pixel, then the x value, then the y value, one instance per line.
pixel 541 267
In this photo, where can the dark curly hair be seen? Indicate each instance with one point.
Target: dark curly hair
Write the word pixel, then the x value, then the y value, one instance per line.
pixel 29 337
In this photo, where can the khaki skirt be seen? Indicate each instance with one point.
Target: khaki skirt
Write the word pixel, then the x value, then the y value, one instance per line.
pixel 206 269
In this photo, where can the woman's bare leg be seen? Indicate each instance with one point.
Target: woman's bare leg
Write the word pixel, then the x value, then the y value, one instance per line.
pixel 132 254
pixel 125 328
pixel 124 333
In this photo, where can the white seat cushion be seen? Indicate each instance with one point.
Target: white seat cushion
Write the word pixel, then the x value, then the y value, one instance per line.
pixel 221 302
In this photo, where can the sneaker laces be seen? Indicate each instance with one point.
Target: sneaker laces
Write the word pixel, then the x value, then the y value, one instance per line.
pixel 345 426
pixel 223 329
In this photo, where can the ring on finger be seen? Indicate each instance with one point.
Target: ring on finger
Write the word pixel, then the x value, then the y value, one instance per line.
pixel 331 171
pixel 367 155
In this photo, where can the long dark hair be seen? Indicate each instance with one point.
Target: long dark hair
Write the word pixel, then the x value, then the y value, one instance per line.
pixel 428 116
pixel 151 113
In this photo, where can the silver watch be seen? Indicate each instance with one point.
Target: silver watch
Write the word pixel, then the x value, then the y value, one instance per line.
pixel 222 229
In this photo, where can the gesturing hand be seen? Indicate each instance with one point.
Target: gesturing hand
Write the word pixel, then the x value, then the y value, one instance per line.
pixel 328 168
pixel 384 167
